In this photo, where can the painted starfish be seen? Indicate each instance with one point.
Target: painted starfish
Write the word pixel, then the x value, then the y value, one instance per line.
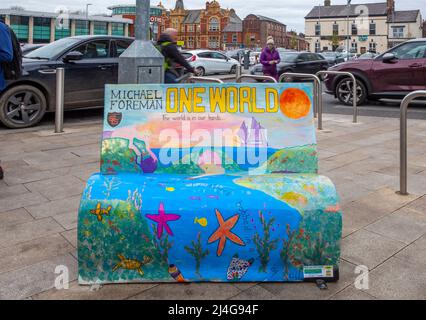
pixel 161 219
pixel 224 231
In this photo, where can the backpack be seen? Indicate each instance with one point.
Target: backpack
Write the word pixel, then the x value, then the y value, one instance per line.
pixel 13 70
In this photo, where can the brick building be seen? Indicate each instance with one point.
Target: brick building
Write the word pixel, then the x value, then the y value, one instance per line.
pixel 296 41
pixel 211 27
pixel 257 28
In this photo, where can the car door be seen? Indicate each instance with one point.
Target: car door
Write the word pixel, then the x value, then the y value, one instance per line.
pixel 221 62
pixel 405 73
pixel 303 63
pixel 85 79
pixel 118 48
pixel 206 61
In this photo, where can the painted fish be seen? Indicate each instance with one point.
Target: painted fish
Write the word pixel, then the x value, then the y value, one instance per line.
pixel 202 222
pixel 176 274
pixel 238 268
pixel 170 189
pixel 295 199
pixel 99 212
pixel 132 264
pixel 213 197
pixel 195 198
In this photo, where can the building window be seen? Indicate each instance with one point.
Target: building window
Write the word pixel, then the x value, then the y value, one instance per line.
pixel 41 33
pixel 214 42
pixel 354 29
pixel 20 26
pixel 62 32
pixel 335 29
pixel 81 27
pixel 117 29
pixel 372 47
pixel 234 38
pixel 214 24
pixel 317 29
pixel 100 28
pixel 372 29
pixel 190 28
pixel 354 47
pixel 317 46
pixel 191 42
pixel 398 32
pixel 225 38
pixel 175 24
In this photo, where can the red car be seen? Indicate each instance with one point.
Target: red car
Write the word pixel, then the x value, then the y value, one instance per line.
pixel 393 74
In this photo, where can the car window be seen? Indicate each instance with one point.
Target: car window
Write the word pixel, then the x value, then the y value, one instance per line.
pixel 94 49
pixel 52 49
pixel 205 55
pixel 411 50
pixel 304 57
pixel 217 55
pixel 186 55
pixel 121 46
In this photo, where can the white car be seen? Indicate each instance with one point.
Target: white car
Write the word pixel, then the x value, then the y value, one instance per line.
pixel 211 62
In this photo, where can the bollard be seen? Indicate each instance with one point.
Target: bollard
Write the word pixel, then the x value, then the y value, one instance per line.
pixel 239 71
pixel 403 139
pixel 59 112
pixel 354 93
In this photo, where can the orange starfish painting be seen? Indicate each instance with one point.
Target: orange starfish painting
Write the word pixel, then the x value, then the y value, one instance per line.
pixel 224 231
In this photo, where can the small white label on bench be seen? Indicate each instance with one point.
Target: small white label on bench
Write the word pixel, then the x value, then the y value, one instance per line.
pixel 318 272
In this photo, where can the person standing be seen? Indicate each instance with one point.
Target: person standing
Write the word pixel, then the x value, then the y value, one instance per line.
pixel 169 49
pixel 270 58
pixel 6 56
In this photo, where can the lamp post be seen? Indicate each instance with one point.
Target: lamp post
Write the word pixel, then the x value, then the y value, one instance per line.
pixel 87 17
pixel 349 32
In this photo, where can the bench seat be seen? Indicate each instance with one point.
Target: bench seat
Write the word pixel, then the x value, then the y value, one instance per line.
pixel 219 228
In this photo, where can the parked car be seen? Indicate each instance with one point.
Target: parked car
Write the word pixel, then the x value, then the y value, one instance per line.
pixel 27 48
pixel 332 58
pixel 393 74
pixel 211 62
pixel 90 62
pixel 296 62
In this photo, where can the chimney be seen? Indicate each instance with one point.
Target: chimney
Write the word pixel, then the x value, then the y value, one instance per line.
pixel 327 3
pixel 390 9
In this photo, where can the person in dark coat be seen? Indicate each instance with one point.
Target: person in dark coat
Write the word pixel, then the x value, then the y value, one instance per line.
pixel 169 49
pixel 6 55
pixel 270 58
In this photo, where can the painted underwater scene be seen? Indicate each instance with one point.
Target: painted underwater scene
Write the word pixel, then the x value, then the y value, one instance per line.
pixel 222 228
pixel 208 183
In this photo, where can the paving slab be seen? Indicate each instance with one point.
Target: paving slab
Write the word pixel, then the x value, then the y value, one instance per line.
pixel 256 292
pixel 398 279
pixel 57 188
pixel 20 201
pixel 369 249
pixel 415 254
pixel 53 208
pixel 71 236
pixel 15 234
pixel 39 277
pixel 352 293
pixel 14 217
pixel 193 291
pixel 28 253
pixel 106 292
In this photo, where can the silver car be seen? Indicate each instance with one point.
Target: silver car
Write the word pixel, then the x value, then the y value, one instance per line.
pixel 211 62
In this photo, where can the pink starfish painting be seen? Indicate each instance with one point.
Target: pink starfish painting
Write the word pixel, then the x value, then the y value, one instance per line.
pixel 161 219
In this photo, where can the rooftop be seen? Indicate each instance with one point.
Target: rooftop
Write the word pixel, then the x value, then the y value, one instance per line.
pixel 27 13
pixel 336 11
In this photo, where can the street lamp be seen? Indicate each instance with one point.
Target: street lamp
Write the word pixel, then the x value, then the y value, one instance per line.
pixel 349 33
pixel 87 17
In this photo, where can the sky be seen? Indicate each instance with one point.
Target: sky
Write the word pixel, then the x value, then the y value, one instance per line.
pixel 290 12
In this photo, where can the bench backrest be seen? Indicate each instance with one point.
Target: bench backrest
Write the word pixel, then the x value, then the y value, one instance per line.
pixel 199 129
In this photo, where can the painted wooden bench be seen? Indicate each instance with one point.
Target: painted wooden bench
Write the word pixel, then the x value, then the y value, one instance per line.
pixel 209 182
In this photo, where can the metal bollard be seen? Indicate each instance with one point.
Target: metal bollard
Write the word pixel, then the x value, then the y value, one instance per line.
pixel 59 112
pixel 403 139
pixel 239 71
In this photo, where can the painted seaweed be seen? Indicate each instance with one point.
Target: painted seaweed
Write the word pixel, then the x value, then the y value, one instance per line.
pixel 197 252
pixel 264 245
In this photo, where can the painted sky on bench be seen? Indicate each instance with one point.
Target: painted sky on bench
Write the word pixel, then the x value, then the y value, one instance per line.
pixel 289 123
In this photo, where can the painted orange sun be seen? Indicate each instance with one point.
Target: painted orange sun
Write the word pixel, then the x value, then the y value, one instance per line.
pixel 295 103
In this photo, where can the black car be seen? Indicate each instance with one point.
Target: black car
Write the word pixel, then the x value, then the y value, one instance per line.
pixel 333 58
pixel 296 62
pixel 90 62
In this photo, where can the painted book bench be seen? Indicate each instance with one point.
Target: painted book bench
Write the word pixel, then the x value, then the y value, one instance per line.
pixel 208 183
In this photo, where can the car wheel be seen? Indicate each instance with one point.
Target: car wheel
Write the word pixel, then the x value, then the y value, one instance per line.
pixel 233 70
pixel 22 106
pixel 200 71
pixel 344 92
